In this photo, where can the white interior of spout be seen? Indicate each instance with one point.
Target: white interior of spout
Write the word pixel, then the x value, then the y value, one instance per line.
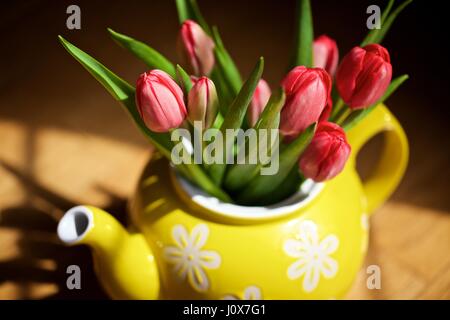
pixel 75 224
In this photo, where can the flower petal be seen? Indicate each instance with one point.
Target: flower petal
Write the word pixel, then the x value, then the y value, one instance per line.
pixel 173 254
pixel 295 248
pixel 311 279
pixel 329 244
pixel 198 279
pixel 181 269
pixel 199 235
pixel 180 236
pixel 209 259
pixel 328 267
pixel 308 232
pixel 298 268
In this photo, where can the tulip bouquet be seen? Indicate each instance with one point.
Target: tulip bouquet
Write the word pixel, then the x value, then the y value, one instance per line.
pixel 317 102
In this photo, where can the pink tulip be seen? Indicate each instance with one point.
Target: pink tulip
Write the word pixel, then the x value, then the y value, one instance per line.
pixel 326 54
pixel 364 75
pixel 326 155
pixel 259 100
pixel 203 103
pixel 160 101
pixel 307 91
pixel 196 49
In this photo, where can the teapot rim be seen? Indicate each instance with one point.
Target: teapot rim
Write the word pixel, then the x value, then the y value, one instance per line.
pixel 307 192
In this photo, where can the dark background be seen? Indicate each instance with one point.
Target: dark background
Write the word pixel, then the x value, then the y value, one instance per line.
pixel 42 86
pixel 417 42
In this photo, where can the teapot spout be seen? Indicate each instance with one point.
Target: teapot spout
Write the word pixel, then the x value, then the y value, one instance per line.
pixel 123 261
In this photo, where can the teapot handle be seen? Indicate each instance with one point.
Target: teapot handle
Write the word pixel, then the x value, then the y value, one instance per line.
pixel 394 157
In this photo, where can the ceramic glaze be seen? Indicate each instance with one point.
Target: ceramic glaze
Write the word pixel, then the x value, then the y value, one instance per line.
pixel 192 246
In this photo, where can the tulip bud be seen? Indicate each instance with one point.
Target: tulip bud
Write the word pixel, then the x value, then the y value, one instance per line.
pixel 196 48
pixel 364 75
pixel 307 91
pixel 194 79
pixel 203 103
pixel 259 100
pixel 326 54
pixel 326 155
pixel 160 101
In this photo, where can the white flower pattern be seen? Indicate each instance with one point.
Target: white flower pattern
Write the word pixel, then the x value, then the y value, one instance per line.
pixel 312 255
pixel 188 260
pixel 250 293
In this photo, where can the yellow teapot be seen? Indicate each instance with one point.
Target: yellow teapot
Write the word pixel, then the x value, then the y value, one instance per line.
pixel 184 244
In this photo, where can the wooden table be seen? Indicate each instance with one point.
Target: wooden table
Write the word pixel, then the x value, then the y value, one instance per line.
pixel 64 141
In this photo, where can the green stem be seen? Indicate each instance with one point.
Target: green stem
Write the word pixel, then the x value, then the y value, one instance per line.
pixel 206 184
pixel 336 109
pixel 341 114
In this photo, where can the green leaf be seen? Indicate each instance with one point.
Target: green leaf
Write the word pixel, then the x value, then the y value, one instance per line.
pixel 183 9
pixel 223 90
pixel 390 20
pixel 387 10
pixel 184 79
pixel 235 117
pixel 152 58
pixel 263 186
pixel 117 87
pixel 356 116
pixel 304 35
pixel 219 120
pixel 189 10
pixel 238 108
pixel 197 16
pixel 240 174
pixel 226 65
pixel 270 116
pixel 125 93
pixel 120 90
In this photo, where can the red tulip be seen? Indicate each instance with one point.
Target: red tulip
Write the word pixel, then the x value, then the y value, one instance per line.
pixel 364 75
pixel 326 54
pixel 307 91
pixel 203 103
pixel 160 101
pixel 259 100
pixel 326 155
pixel 196 48
pixel 325 115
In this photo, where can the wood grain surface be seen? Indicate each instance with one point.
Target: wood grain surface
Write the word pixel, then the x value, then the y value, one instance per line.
pixel 64 141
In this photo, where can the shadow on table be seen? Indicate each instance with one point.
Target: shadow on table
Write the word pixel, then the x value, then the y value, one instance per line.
pixel 38 242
